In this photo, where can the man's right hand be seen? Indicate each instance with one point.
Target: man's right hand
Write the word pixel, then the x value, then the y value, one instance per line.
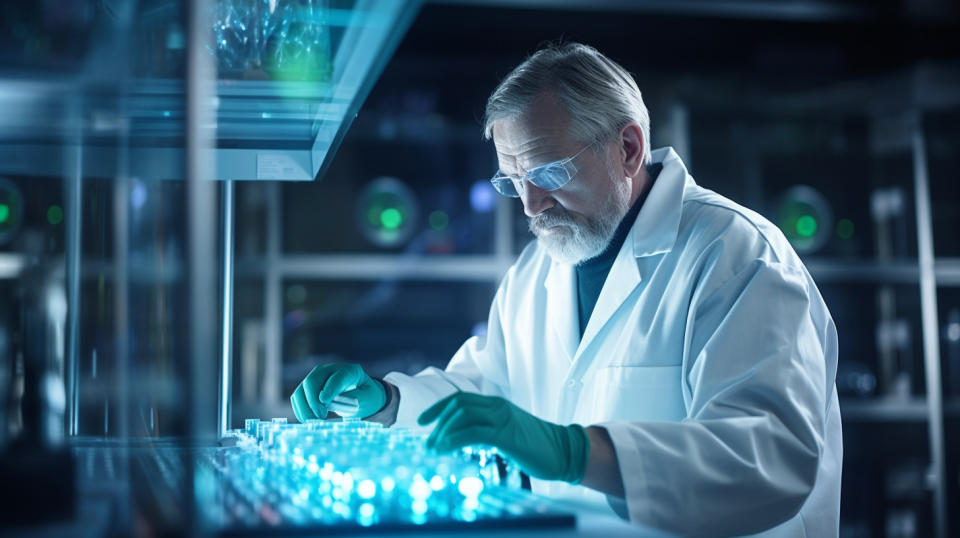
pixel 327 381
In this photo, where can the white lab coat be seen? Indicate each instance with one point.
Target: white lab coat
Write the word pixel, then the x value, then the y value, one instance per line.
pixel 710 358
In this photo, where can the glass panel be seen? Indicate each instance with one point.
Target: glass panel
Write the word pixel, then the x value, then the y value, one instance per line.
pixel 291 76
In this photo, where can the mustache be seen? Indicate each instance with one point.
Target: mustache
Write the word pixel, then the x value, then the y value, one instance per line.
pixel 553 217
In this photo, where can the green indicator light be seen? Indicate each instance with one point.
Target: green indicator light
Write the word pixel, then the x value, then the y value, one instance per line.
pixel 54 214
pixel 439 220
pixel 845 228
pixel 4 213
pixel 806 226
pixel 391 218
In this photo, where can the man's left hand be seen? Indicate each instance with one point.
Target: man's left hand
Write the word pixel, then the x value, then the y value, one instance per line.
pixel 542 449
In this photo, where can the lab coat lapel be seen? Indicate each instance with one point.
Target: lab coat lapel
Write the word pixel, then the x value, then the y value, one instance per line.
pixel 623 278
pixel 654 232
pixel 562 311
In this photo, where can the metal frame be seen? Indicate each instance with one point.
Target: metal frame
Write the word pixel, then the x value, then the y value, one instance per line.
pixel 929 322
pixel 226 341
pixel 800 10
pixel 73 192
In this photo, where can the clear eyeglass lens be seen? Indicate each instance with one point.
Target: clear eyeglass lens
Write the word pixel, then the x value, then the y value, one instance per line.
pixel 551 177
pixel 505 186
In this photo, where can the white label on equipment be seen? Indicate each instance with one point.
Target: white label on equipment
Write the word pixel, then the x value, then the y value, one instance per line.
pixel 280 166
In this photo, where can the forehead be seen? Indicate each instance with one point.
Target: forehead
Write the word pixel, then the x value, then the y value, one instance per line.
pixel 537 136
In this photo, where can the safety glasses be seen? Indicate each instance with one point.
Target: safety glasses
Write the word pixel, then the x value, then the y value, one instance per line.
pixel 549 177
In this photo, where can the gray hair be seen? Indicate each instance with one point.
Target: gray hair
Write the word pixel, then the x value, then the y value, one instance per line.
pixel 600 95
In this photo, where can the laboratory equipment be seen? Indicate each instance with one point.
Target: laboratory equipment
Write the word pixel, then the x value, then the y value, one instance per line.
pixel 387 212
pixel 352 474
pixel 805 217
pixel 11 210
pixel 36 466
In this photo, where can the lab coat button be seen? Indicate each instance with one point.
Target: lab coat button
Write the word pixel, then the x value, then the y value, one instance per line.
pixel 572 384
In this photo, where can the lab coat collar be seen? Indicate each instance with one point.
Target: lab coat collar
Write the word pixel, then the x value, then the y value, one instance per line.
pixel 655 230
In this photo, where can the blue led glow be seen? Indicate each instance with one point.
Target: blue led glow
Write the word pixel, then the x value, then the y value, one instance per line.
pixel 470 487
pixel 366 489
pixel 330 472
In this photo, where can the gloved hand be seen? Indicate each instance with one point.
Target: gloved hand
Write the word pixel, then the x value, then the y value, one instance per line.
pixel 327 381
pixel 542 449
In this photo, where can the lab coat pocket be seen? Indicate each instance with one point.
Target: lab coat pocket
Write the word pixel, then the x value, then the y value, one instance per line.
pixel 650 393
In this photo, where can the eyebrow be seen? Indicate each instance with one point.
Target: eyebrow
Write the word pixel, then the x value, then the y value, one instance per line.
pixel 526 171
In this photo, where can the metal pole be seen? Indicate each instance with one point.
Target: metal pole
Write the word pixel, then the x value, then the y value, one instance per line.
pixel 272 379
pixel 200 133
pixel 201 223
pixel 931 344
pixel 226 344
pixel 73 192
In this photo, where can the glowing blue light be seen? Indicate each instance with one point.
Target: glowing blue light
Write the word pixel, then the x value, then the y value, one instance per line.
pixel 366 514
pixel 470 487
pixel 419 489
pixel 366 489
pixel 351 470
pixel 341 509
pixel 482 197
pixel 326 473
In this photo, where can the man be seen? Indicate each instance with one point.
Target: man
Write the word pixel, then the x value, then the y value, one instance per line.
pixel 658 345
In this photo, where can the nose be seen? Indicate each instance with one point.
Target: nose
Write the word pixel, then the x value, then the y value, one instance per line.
pixel 535 200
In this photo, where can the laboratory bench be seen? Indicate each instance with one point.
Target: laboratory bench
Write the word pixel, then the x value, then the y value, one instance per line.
pixel 277 486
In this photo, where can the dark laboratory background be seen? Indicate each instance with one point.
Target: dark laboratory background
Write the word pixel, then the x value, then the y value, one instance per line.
pixel 826 117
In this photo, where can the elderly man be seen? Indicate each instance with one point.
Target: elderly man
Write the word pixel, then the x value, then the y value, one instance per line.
pixel 657 346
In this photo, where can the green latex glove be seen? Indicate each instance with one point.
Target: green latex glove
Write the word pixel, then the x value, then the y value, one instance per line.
pixel 542 449
pixel 327 381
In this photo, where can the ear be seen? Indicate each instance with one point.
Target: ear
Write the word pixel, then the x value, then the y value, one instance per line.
pixel 631 149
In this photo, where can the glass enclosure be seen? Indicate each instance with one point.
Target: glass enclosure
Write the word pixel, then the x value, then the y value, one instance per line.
pixel 116 243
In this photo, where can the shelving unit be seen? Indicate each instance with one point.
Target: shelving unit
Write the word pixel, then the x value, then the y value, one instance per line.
pixel 886 410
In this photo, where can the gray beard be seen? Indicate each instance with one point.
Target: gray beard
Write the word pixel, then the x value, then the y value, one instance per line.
pixel 576 241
